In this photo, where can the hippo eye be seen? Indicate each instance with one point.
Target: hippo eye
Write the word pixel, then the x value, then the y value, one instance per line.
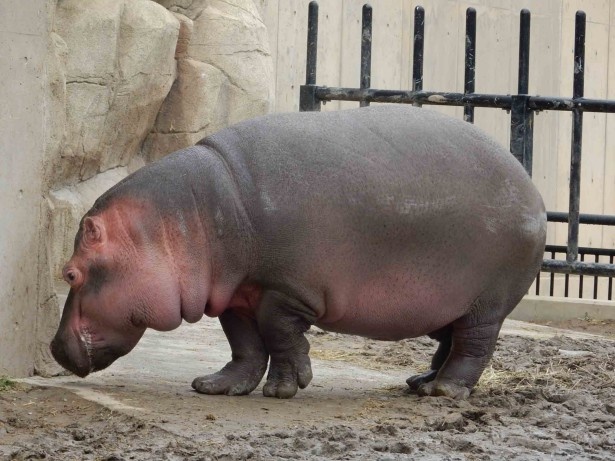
pixel 72 276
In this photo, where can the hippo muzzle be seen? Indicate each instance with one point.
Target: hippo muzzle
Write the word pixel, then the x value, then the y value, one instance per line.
pixel 78 356
pixel 82 346
pixel 72 353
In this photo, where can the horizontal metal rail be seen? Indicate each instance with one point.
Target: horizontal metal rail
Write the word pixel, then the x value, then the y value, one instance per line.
pixel 577 267
pixel 536 103
pixel 326 93
pixel 597 219
pixel 569 104
pixel 582 250
pixel 597 253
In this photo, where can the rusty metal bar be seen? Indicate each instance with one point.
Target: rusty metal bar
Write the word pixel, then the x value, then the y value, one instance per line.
pixel 366 50
pixel 469 84
pixel 521 115
pixel 307 95
pixel 419 46
pixel 577 139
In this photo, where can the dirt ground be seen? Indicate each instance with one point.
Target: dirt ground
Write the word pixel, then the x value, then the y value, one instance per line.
pixel 587 325
pixel 547 397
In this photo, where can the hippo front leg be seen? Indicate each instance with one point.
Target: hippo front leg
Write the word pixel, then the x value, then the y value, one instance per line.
pixel 282 322
pixel 249 359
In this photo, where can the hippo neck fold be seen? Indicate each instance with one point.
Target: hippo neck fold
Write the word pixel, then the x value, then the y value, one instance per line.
pixel 186 207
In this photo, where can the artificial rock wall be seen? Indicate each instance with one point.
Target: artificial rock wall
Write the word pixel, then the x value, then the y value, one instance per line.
pixel 129 81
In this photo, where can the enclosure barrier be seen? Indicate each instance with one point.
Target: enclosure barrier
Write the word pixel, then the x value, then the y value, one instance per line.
pixel 521 107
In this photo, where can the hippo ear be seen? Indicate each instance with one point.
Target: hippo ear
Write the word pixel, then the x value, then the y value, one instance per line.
pixel 93 231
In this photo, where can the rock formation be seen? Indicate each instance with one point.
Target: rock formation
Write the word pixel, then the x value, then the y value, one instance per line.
pixel 130 81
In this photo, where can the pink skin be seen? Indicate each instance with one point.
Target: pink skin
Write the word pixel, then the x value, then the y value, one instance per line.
pixel 122 283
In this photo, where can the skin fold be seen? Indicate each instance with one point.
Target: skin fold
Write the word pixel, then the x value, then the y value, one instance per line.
pixel 386 222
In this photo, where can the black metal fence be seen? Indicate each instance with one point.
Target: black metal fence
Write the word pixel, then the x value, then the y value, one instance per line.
pixel 521 106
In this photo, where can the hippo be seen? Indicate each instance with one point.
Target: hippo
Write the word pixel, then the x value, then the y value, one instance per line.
pixel 387 222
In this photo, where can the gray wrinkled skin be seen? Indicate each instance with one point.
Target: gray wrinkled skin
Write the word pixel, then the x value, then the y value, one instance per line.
pixel 386 222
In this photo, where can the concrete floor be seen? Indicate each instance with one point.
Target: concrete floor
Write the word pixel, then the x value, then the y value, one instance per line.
pixel 168 362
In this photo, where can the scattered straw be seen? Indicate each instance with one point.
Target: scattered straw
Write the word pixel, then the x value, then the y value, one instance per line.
pixel 558 372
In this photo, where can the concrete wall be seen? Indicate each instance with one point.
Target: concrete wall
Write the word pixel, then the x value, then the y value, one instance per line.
pixel 551 73
pixel 23 37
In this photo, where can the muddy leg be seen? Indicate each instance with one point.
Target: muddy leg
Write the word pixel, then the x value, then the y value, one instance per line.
pixel 249 359
pixel 471 349
pixel 282 322
pixel 443 336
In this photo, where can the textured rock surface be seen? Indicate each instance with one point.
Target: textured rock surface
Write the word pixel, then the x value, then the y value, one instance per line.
pixel 119 68
pixel 196 106
pixel 130 77
pixel 225 73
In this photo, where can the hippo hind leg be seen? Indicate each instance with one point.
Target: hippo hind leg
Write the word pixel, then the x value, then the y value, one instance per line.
pixel 473 340
pixel 471 349
pixel 444 338
pixel 249 359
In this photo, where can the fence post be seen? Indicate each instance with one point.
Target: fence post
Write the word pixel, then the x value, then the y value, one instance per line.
pixel 522 131
pixel 470 63
pixel 521 116
pixel 308 101
pixel 577 139
pixel 418 48
pixel 366 51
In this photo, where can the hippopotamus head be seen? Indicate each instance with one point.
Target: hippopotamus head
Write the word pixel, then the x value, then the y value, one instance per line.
pixel 120 284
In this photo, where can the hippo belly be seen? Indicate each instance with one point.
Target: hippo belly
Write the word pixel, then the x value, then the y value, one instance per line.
pixel 393 308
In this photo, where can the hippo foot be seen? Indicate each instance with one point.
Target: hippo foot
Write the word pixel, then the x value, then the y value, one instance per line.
pixel 286 375
pixel 414 382
pixel 444 388
pixel 236 378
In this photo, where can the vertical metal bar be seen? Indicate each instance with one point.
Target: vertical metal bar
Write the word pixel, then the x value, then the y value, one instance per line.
pixel 581 278
pixel 610 293
pixel 521 116
pixel 538 284
pixel 524 52
pixel 307 95
pixel 419 44
pixel 566 284
pixel 470 65
pixel 522 131
pixel 577 137
pixel 366 50
pixel 552 281
pixel 312 44
pixel 596 259
pixel 308 101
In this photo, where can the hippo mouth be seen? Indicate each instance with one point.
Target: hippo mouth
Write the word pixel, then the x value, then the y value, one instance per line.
pixel 104 357
pixel 99 354
pixel 85 338
pixel 72 354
